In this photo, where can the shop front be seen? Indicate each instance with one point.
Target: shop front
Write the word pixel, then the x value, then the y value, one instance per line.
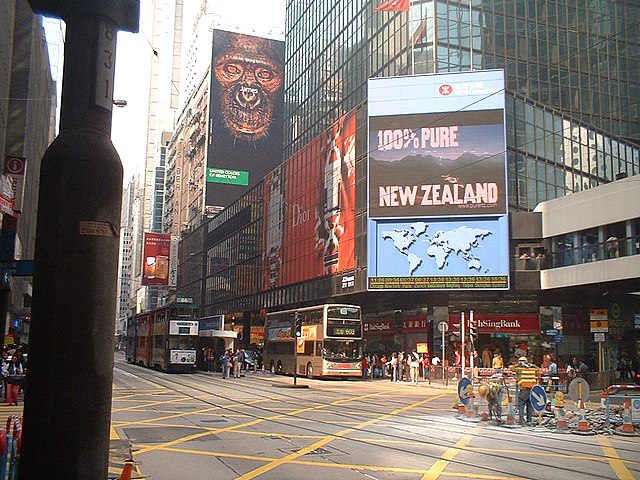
pixel 511 334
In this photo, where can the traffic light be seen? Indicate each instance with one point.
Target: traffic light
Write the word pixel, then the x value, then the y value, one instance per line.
pixel 298 326
pixel 473 328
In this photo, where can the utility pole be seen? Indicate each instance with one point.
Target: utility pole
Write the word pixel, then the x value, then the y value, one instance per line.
pixel 67 409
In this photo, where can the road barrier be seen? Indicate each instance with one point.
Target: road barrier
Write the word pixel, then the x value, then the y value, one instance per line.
pixel 10 445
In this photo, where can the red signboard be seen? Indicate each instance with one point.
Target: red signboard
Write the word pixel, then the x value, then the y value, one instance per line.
pixel 514 323
pixel 155 261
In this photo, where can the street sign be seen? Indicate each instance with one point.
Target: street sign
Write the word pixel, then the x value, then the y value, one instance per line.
pixel 538 398
pixel 598 337
pixel 599 326
pixel 552 332
pixel 635 410
pixel 443 327
pixel 558 339
pixel 579 389
pixel 462 388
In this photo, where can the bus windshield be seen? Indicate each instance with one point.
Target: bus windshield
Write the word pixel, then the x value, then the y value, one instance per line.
pixel 341 349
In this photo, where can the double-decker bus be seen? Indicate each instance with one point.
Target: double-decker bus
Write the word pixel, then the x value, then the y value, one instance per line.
pixel 165 338
pixel 330 344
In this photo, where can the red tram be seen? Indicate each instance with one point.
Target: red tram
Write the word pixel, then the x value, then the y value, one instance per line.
pixel 165 338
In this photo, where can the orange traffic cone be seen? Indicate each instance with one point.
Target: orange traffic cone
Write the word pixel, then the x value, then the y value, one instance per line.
pixel 627 424
pixel 127 470
pixel 583 425
pixel 603 399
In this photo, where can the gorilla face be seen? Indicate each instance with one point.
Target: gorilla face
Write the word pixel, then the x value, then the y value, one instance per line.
pixel 249 75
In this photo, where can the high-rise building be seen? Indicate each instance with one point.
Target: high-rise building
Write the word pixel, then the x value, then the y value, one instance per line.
pixel 570 118
pixel 566 57
pixel 27 113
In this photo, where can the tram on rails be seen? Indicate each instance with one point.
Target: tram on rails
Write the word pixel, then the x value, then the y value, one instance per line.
pixel 165 338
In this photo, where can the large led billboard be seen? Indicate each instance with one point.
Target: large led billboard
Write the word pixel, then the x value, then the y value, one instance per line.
pixel 309 209
pixel 246 114
pixel 437 194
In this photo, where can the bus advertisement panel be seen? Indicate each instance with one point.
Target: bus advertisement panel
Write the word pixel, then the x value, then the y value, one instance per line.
pixel 437 190
pixel 330 344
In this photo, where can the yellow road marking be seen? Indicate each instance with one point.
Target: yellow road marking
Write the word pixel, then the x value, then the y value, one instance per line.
pixel 616 463
pixel 544 454
pixel 242 425
pixel 321 443
pixel 439 467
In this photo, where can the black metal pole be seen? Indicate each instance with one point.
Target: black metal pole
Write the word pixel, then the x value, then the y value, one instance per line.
pixel 68 390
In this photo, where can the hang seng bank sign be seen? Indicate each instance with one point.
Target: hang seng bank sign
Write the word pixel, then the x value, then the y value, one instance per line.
pixel 514 323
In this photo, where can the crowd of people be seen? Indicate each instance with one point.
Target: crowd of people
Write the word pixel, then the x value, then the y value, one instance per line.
pixel 398 366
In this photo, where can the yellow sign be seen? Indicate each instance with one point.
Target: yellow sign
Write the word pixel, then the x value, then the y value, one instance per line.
pixel 599 326
pixel 422 348
pixel 299 345
pixel 8 340
pixel 598 312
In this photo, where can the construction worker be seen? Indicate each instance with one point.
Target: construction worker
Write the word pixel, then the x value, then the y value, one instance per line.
pixel 494 400
pixel 526 379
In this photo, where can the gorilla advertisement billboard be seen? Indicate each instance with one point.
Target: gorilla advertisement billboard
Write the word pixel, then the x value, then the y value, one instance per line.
pixel 246 114
pixel 309 209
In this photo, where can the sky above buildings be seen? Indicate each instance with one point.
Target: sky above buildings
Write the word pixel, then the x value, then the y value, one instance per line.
pixel 134 52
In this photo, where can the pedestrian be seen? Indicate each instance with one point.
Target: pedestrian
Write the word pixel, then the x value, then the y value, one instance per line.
pixel 225 362
pixel 486 357
pixel 393 366
pixel 526 375
pixel 210 358
pixel 414 366
pixel 14 374
pixel 583 368
pixel 425 367
pixel 364 365
pixel 622 368
pixel 238 360
pixel 497 362
pixel 553 371
pixel 400 376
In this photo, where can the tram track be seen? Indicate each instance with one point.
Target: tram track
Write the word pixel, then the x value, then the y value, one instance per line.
pixel 404 425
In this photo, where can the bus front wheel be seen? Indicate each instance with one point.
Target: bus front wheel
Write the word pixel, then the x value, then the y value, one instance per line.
pixel 309 370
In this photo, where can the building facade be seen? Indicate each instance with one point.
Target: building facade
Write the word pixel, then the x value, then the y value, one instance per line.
pixel 567 131
pixel 27 124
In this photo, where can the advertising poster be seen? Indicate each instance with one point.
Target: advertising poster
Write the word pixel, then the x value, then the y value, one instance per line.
pixel 273 221
pixel 319 221
pixel 156 259
pixel 246 114
pixel 437 194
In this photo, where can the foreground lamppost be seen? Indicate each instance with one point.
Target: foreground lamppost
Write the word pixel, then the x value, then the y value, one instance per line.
pixel 67 409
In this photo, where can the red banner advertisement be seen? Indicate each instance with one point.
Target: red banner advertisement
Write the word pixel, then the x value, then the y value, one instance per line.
pixel 514 323
pixel 319 218
pixel 156 258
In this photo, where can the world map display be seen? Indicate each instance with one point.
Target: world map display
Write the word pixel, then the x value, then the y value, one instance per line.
pixel 439 248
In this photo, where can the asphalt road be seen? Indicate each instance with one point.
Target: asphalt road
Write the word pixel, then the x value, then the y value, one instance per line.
pixel 199 426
